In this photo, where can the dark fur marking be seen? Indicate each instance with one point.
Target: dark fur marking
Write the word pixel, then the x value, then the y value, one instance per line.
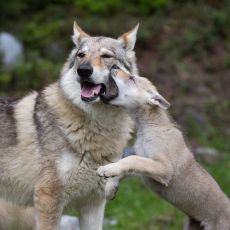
pixel 72 61
pixel 120 58
pixel 82 157
pixel 8 134
pixel 47 128
pixel 81 45
pixel 43 120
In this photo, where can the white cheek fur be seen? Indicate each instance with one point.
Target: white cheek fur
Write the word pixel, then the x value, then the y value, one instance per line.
pixel 100 75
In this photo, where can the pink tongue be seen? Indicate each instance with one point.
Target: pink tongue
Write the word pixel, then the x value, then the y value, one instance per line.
pixel 90 91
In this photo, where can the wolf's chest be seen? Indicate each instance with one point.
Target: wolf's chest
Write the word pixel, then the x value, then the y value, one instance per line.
pixel 90 144
pixel 78 176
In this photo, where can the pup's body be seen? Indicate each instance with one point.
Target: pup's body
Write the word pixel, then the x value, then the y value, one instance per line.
pixel 52 142
pixel 163 158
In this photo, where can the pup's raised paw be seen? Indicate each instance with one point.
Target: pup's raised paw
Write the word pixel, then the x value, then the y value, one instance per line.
pixel 110 170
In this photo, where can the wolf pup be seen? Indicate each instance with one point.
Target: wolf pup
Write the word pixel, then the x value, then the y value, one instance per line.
pixel 163 158
pixel 52 141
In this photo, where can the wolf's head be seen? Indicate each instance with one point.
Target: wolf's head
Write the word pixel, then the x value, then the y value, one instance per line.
pixel 135 91
pixel 85 75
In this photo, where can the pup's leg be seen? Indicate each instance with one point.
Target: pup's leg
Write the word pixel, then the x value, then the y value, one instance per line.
pixel 138 165
pixel 92 214
pixel 48 203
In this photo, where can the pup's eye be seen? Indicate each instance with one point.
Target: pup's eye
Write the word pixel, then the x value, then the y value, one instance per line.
pixel 131 78
pixel 106 56
pixel 81 55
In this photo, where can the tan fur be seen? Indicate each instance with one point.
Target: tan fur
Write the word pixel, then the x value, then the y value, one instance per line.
pixel 15 217
pixel 163 157
pixel 55 142
pixel 93 141
pixel 97 62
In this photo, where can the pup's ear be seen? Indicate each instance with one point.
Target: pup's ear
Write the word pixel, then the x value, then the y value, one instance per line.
pixel 159 100
pixel 128 39
pixel 78 34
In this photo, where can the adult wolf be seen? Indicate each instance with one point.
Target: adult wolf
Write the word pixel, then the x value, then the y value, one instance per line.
pixel 52 141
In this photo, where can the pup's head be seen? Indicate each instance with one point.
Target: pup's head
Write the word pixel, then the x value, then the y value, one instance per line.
pixel 135 91
pixel 86 73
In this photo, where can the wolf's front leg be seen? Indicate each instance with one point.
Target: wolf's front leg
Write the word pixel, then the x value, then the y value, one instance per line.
pixel 112 187
pixel 92 214
pixel 48 206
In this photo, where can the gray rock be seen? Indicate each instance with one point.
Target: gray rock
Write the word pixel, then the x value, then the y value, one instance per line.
pixel 72 223
pixel 11 50
pixel 69 223
pixel 206 151
pixel 207 154
pixel 110 222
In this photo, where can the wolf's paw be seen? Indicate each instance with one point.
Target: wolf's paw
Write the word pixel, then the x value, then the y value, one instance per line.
pixel 110 170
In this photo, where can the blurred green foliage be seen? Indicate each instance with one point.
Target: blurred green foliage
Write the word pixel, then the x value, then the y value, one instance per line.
pixel 84 7
pixel 178 29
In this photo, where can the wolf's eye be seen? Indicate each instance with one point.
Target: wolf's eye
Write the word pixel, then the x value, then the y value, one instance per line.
pixel 106 56
pixel 81 55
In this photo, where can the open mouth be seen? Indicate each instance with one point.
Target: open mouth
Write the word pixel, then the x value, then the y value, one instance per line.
pixel 111 91
pixel 91 91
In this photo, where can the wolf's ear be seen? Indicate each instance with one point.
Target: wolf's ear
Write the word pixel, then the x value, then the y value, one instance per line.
pixel 159 100
pixel 78 34
pixel 128 39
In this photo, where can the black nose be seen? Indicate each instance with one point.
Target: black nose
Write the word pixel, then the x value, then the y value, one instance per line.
pixel 85 70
